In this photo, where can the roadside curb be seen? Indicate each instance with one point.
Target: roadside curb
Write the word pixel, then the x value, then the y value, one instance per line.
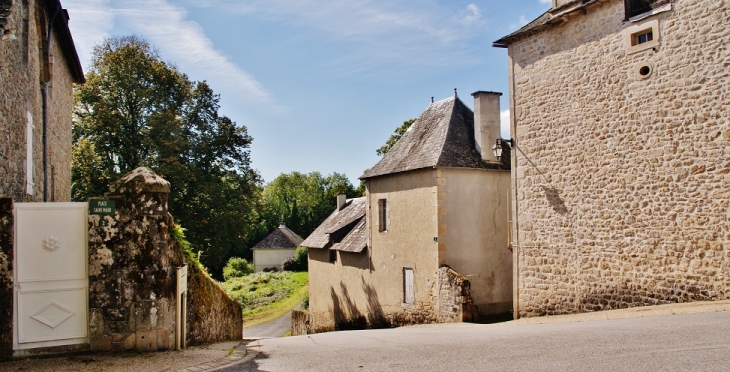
pixel 238 355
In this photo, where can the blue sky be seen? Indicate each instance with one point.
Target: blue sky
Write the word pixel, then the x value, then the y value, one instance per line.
pixel 320 84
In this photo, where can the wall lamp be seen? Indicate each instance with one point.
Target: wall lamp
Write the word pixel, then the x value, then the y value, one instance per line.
pixel 500 145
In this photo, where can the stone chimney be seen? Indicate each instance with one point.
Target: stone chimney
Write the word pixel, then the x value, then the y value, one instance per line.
pixel 341 201
pixel 486 123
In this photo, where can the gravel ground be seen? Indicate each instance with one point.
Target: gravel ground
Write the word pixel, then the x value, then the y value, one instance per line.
pixel 158 361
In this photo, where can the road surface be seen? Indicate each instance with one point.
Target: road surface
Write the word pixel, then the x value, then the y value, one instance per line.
pixel 687 342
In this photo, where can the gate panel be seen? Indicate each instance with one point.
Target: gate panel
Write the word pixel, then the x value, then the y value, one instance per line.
pixel 51 280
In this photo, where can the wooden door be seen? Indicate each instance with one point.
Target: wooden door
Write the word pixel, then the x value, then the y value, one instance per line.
pixel 51 280
pixel 407 285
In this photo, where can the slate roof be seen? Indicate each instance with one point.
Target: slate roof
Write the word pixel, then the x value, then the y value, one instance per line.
pixel 282 237
pixel 353 211
pixel 356 240
pixel 443 136
pixel 544 21
pixel 66 41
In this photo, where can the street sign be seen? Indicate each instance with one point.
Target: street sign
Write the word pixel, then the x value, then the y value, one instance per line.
pixel 101 207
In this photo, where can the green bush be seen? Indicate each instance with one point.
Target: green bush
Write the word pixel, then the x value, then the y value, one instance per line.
pixel 298 262
pixel 263 288
pixel 236 268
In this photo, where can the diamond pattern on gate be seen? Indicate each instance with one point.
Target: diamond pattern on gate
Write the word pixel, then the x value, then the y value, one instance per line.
pixel 53 314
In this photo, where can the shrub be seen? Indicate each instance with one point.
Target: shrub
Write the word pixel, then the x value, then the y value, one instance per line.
pixel 236 268
pixel 298 262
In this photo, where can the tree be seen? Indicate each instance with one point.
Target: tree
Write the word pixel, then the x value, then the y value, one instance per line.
pixel 399 132
pixel 303 201
pixel 136 110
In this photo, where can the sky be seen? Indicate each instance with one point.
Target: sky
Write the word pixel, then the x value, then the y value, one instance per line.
pixel 320 84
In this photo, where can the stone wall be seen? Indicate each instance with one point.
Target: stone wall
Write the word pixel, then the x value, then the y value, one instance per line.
pixel 132 263
pixel 6 278
pixel 455 301
pixel 20 72
pixel 622 179
pixel 299 322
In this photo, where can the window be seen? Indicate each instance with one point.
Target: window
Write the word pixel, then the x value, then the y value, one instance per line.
pixel 642 37
pixel 382 215
pixel 636 7
pixel 407 285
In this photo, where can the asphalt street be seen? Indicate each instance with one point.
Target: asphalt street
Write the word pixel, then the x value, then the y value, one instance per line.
pixel 687 342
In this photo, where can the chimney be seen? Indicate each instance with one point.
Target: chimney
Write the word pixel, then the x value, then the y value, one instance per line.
pixel 486 123
pixel 341 200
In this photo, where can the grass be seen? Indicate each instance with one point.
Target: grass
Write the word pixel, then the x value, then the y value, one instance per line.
pixel 267 296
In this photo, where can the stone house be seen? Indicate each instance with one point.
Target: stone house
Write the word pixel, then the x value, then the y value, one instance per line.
pixel 428 243
pixel 275 248
pixel 38 67
pixel 621 180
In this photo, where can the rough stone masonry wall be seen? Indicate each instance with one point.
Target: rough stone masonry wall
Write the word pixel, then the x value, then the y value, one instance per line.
pixel 132 264
pixel 6 278
pixel 20 72
pixel 623 182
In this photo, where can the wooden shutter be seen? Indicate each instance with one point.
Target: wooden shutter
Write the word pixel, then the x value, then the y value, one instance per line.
pixel 407 285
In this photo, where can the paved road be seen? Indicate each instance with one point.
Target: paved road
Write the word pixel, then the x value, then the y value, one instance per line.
pixel 689 342
pixel 275 328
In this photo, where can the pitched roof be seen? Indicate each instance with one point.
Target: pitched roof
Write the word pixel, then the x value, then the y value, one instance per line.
pixel 443 136
pixel 353 211
pixel 66 41
pixel 544 21
pixel 282 237
pixel 356 240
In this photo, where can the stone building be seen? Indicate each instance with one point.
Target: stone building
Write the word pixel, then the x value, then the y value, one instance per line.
pixel 38 67
pixel 428 243
pixel 621 180
pixel 275 248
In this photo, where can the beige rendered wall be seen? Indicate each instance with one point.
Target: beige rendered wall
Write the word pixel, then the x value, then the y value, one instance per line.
pixel 473 223
pixel 370 291
pixel 271 257
pixel 622 180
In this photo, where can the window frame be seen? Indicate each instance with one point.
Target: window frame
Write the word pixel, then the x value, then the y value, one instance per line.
pixel 383 214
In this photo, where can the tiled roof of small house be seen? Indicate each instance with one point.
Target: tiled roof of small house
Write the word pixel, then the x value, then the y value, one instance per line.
pixel 353 210
pixel 281 237
pixel 443 136
pixel 356 240
pixel 545 20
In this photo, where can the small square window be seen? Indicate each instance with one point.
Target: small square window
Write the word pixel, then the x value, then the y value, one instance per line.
pixel 642 37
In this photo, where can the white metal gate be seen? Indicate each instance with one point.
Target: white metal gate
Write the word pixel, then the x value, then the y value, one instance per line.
pixel 51 280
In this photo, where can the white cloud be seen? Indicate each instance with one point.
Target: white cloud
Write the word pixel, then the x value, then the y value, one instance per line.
pixel 179 39
pixel 90 23
pixel 378 32
pixel 546 1
pixel 166 26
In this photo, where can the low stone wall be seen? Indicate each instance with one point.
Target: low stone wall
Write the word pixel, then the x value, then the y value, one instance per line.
pixel 212 314
pixel 6 278
pixel 132 265
pixel 299 322
pixel 455 301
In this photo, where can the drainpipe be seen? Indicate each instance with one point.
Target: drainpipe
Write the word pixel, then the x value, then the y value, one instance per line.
pixel 44 95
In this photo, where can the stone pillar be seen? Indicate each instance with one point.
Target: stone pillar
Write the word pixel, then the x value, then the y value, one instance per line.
pixel 6 278
pixel 486 123
pixel 132 263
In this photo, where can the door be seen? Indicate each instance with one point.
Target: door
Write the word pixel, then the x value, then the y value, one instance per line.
pixel 51 281
pixel 407 285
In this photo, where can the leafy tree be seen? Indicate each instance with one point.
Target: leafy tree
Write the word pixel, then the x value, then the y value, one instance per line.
pixel 299 262
pixel 136 110
pixel 399 132
pixel 236 268
pixel 303 201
